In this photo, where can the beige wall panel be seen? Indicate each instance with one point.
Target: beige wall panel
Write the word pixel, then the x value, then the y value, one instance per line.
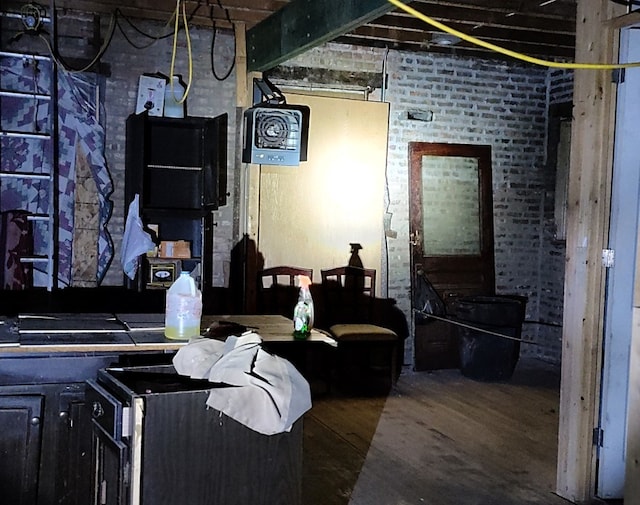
pixel 310 213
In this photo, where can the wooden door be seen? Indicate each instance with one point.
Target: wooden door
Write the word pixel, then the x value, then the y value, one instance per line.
pixel 310 214
pixel 451 229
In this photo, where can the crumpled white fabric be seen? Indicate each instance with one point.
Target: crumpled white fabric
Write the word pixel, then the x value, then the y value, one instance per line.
pixel 270 393
pixel 135 240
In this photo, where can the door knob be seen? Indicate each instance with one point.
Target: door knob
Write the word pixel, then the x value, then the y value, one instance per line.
pixel 414 238
pixel 97 409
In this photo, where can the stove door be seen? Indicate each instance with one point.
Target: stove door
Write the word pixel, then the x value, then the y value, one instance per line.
pixel 111 467
pixel 110 452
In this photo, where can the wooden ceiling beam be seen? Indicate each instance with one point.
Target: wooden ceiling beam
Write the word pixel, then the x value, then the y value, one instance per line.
pixel 365 36
pixel 473 28
pixel 559 8
pixel 199 14
pixel 498 36
pixel 545 45
pixel 445 14
pixel 303 24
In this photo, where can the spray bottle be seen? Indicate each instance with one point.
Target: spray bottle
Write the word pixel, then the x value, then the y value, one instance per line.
pixel 303 311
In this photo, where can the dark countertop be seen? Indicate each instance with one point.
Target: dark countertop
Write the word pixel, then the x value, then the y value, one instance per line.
pixel 39 333
pixel 63 332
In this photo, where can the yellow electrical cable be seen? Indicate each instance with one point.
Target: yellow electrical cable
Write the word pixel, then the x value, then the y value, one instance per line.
pixel 186 31
pixel 175 50
pixel 508 52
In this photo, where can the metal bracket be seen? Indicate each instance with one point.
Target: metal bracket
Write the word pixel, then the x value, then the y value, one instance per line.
pixel 266 92
pixel 598 437
pixel 608 258
pixel 617 75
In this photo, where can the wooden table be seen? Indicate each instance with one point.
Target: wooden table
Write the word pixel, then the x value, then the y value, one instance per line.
pixel 272 328
pixel 314 357
pixel 57 334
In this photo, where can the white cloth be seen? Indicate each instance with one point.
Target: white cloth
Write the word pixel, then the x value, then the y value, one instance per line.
pixel 135 240
pixel 269 394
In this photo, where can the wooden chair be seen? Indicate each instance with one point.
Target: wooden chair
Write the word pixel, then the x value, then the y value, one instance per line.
pixel 277 289
pixel 366 350
pixel 277 294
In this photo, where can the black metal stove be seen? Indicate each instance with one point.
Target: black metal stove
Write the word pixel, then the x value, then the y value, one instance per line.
pixel 157 443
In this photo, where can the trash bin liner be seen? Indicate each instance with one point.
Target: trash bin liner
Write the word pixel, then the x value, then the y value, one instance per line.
pixel 484 356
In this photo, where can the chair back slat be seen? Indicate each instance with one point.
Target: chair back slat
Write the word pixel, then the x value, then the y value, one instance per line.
pixel 277 289
pixel 349 293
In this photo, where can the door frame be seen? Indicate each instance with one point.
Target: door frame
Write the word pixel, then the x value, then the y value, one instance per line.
pixel 437 281
pixel 435 266
pixel 612 429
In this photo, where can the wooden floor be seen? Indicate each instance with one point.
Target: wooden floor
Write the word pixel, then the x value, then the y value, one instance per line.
pixel 438 438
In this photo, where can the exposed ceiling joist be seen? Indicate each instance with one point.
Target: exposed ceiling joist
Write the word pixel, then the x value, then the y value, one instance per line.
pixel 303 24
pixel 536 28
pixel 540 28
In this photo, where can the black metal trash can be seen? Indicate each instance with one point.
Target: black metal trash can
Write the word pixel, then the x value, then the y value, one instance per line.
pixel 484 356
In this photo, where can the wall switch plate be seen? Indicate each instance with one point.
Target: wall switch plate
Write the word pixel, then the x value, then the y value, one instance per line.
pixel 151 95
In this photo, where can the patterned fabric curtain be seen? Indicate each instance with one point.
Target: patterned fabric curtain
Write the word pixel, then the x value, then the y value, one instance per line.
pixel 77 126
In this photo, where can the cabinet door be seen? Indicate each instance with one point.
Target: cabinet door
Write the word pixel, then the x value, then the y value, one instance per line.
pixel 110 467
pixel 74 470
pixel 20 418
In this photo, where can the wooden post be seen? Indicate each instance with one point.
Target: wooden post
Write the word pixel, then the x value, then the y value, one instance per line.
pixel 250 173
pixel 588 223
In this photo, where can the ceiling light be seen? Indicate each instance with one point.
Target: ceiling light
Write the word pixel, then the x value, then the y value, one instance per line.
pixel 444 39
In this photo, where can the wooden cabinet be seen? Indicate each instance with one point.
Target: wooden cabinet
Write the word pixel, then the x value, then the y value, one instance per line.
pixel 178 167
pixel 20 418
pixel 46 436
pixel 158 443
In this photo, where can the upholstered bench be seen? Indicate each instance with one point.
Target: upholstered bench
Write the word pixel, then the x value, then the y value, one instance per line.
pixel 367 355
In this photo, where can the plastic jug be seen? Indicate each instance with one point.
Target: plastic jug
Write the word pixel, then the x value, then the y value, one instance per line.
pixel 173 94
pixel 183 309
pixel 303 312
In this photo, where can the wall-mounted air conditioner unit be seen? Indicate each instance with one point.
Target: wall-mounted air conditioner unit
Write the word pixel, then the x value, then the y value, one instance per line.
pixel 275 134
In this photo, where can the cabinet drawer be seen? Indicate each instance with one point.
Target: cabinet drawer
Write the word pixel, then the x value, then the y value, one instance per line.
pixel 106 409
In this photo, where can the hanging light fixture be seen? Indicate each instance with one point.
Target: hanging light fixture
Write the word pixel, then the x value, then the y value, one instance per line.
pixel 444 39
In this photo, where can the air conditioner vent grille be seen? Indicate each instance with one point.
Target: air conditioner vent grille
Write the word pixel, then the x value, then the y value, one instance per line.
pixel 278 130
pixel 275 135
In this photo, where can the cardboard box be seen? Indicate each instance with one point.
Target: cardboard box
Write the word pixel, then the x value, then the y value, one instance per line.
pixel 174 249
pixel 153 229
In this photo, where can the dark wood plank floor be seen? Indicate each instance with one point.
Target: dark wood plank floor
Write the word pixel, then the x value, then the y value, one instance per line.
pixel 438 438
